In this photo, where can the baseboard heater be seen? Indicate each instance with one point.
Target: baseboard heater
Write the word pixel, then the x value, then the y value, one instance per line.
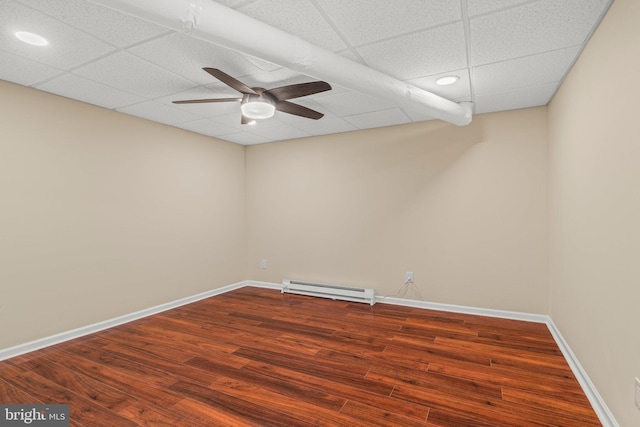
pixel 335 292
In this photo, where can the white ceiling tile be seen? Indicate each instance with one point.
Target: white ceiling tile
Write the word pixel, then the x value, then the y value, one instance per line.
pixel 214 109
pixel 68 47
pixel 207 127
pixel 479 7
pixel 155 111
pixel 245 138
pixel 273 130
pixel 535 70
pixel 106 24
pixel 24 71
pixel 260 63
pixel 329 123
pixel 418 116
pixel 515 99
pixel 187 56
pixel 532 28
pixel 326 125
pixel 271 123
pixel 419 54
pixel 131 74
pixel 88 91
pixel 377 119
pixel 350 103
pixel 366 21
pixel 232 119
pixel 460 89
pixel 297 17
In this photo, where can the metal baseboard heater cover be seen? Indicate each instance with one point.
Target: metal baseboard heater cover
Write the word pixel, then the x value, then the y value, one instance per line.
pixel 335 292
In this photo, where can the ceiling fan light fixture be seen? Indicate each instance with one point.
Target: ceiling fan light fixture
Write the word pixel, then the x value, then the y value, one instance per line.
pixel 447 80
pixel 31 38
pixel 258 110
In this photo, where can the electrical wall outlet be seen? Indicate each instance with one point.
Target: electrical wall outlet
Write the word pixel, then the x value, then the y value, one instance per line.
pixel 263 264
pixel 638 393
pixel 408 277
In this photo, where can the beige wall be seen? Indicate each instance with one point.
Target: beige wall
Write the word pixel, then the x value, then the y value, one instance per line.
pixel 594 209
pixel 464 208
pixel 103 214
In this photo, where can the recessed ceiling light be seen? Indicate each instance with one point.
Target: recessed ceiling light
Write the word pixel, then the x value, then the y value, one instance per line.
pixel 447 80
pixel 31 38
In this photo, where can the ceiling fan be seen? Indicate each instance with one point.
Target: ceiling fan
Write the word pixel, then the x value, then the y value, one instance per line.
pixel 260 103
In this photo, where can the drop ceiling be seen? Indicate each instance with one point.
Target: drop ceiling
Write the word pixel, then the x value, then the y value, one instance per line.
pixel 508 54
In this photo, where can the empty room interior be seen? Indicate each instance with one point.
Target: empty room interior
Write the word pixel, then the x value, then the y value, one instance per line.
pixel 510 194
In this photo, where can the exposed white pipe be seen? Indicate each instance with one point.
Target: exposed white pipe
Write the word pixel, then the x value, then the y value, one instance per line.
pixel 215 23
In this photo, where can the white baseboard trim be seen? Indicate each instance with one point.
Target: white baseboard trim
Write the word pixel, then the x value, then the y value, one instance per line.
pixel 89 329
pixel 503 314
pixel 599 406
pixel 268 285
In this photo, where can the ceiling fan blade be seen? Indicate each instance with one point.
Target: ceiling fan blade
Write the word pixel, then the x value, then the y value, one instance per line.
pixel 246 120
pixel 298 110
pixel 230 81
pixel 202 101
pixel 296 91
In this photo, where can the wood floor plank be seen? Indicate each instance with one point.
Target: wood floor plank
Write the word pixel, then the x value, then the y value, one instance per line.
pixel 185 339
pixel 102 394
pixel 434 352
pixel 555 406
pixel 193 411
pixel 490 410
pixel 438 417
pixel 257 357
pixel 178 350
pixel 515 378
pixel 353 393
pixel 124 380
pixel 146 373
pixel 10 394
pixel 296 407
pixel 374 416
pixel 336 372
pixel 369 361
pixel 80 407
pixel 256 413
pixel 286 388
pixel 471 389
pixel 150 416
pixel 473 410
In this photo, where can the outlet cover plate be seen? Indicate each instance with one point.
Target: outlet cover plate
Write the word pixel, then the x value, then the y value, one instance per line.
pixel 638 393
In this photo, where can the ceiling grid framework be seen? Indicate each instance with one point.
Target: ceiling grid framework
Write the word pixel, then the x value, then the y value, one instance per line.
pixel 508 54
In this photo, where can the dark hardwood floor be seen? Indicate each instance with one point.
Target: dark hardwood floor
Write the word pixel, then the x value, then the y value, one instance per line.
pixel 255 357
